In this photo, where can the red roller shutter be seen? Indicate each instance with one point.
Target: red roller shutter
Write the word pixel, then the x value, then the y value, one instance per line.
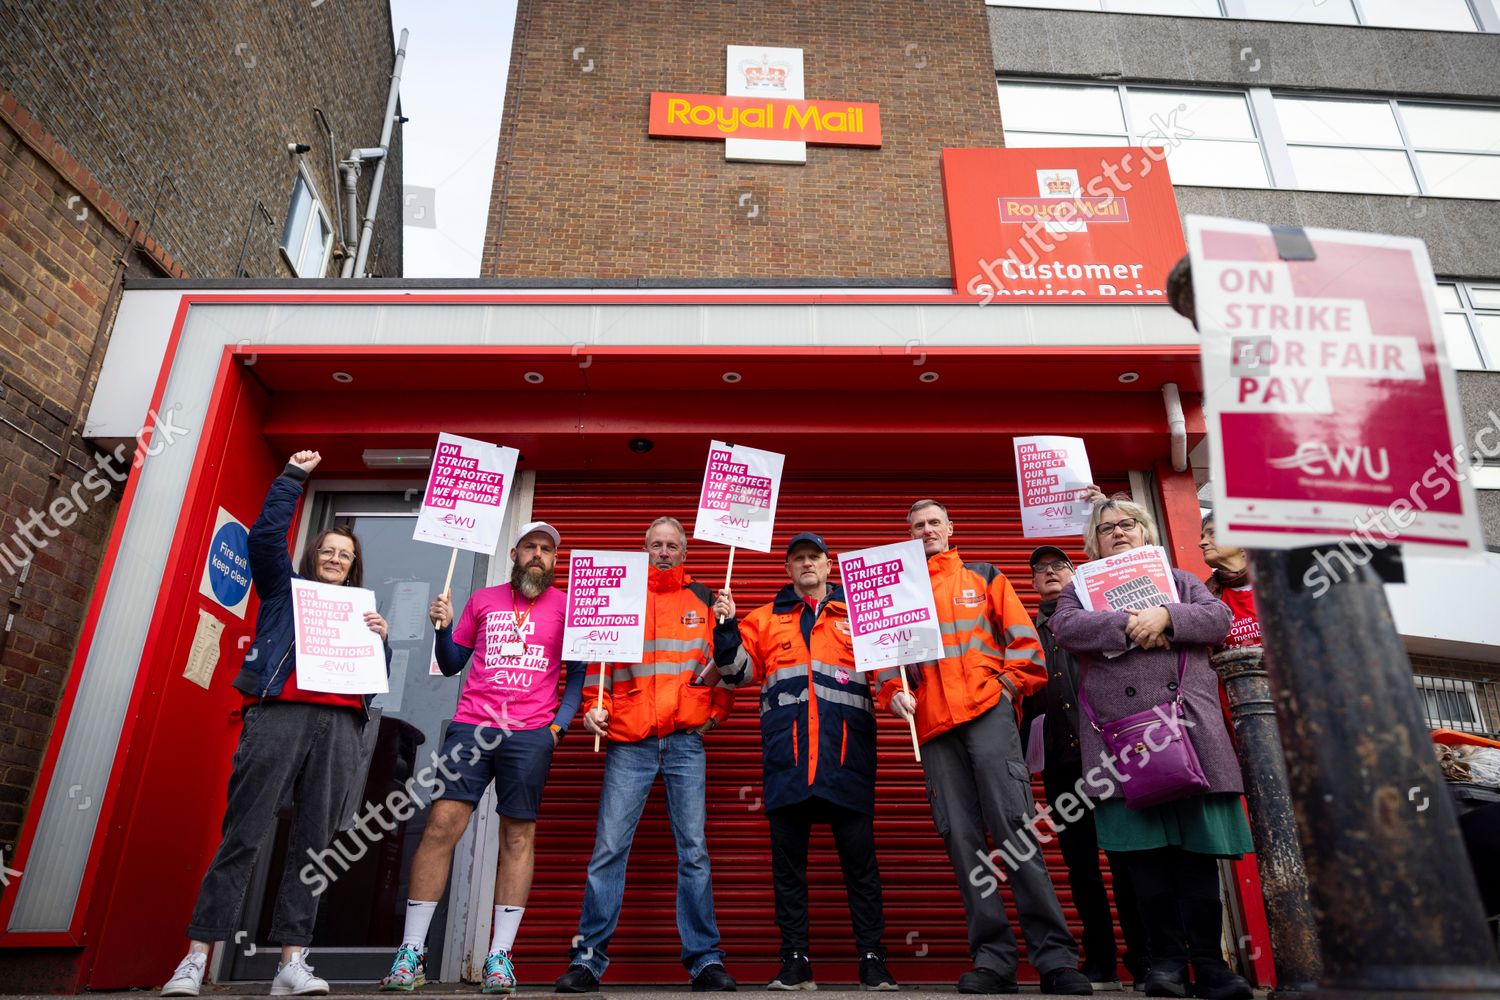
pixel 925 931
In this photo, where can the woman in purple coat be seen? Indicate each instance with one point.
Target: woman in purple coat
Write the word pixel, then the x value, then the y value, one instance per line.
pixel 1172 849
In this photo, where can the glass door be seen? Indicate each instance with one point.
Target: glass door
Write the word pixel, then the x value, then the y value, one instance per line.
pixel 361 914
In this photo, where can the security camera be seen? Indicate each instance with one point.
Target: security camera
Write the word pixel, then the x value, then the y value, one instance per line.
pixel 641 445
pixel 297 148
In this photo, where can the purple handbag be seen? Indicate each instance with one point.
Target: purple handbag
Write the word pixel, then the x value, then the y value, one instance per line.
pixel 1155 758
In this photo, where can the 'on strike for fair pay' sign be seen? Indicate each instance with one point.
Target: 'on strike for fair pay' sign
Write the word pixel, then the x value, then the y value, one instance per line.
pixel 606 614
pixel 336 651
pixel 738 502
pixel 892 615
pixel 466 492
pixel 1330 402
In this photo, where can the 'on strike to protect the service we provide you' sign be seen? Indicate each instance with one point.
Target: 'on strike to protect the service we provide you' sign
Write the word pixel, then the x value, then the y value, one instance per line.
pixel 1330 402
pixel 464 505
pixel 737 505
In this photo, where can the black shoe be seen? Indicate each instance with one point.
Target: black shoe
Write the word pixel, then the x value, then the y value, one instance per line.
pixel 713 979
pixel 1220 984
pixel 795 974
pixel 1167 980
pixel 1101 979
pixel 986 981
pixel 1067 982
pixel 578 979
pixel 873 975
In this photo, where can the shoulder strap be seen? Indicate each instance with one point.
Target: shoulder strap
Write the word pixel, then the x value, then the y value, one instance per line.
pixel 1088 709
pixel 985 571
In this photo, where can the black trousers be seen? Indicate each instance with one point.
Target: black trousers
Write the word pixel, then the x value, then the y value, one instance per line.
pixel 1080 850
pixel 854 834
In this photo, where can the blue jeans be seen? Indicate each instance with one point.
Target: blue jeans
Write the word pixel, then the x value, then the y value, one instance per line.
pixel 630 769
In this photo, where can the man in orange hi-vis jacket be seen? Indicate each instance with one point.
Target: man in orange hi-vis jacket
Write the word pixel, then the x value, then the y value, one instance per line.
pixel 654 717
pixel 965 706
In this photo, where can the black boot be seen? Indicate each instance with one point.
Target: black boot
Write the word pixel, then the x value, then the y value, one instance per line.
pixel 1167 939
pixel 1212 977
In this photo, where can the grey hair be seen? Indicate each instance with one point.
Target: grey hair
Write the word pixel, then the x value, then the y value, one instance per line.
pixel 667 520
pixel 920 504
pixel 1127 507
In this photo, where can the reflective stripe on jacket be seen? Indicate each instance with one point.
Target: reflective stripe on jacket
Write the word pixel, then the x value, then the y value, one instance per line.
pixel 656 697
pixel 817 719
pixel 991 650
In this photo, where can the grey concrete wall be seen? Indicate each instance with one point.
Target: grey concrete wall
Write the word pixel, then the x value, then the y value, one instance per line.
pixel 1203 50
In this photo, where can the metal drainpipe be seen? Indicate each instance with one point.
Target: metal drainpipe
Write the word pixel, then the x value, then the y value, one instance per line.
pixel 385 144
pixel 1397 910
pixel 1177 424
pixel 341 234
pixel 350 225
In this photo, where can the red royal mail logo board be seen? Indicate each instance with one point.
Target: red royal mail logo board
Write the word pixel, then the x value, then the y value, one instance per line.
pixel 1093 224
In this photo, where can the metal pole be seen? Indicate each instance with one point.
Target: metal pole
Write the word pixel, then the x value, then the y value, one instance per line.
pixel 1283 879
pixel 373 206
pixel 1397 910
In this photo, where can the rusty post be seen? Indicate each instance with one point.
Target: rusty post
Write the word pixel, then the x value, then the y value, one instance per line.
pixel 1283 879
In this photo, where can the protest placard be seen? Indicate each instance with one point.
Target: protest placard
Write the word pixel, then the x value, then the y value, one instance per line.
pixel 605 620
pixel 737 505
pixel 1054 477
pixel 464 505
pixel 335 650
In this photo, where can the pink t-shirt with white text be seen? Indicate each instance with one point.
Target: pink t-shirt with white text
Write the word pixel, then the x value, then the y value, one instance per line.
pixel 515 692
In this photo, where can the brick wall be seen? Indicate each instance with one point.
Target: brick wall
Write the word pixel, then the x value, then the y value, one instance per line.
pixel 183 110
pixel 581 191
pixel 97 102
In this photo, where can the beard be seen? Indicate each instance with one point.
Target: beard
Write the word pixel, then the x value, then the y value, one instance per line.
pixel 532 580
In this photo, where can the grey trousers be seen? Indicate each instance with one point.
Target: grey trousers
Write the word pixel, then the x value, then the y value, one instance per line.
pixel 311 750
pixel 977 781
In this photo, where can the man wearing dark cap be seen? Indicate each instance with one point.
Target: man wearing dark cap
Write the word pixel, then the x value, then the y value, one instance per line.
pixel 1056 707
pixel 817 724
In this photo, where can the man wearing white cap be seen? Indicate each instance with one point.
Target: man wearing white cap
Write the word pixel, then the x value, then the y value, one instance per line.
pixel 509 719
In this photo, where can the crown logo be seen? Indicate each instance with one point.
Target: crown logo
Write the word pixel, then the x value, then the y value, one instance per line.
pixel 1059 185
pixel 765 75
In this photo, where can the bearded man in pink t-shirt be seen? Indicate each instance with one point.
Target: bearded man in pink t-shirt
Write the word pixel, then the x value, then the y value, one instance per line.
pixel 508 721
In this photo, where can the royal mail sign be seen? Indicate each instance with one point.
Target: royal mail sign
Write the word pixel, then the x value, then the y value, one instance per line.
pixel 763 115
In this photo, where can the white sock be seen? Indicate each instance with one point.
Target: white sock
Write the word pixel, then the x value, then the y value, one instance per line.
pixel 418 919
pixel 507 923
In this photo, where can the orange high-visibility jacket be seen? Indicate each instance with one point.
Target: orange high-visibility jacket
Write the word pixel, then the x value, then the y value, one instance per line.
pixel 655 697
pixel 991 649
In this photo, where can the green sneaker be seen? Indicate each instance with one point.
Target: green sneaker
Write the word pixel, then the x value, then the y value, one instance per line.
pixel 408 971
pixel 499 974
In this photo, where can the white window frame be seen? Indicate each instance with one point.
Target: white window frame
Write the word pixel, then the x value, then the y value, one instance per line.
pixel 1471 312
pixel 1275 150
pixel 305 177
pixel 1485 14
pixel 1456 686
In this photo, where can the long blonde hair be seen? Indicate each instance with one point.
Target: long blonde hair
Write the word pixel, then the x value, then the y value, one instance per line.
pixel 1127 507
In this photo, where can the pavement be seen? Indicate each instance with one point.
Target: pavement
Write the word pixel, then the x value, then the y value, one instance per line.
pixel 466 991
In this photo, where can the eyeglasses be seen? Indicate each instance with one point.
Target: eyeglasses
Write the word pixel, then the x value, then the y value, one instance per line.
pixel 1123 524
pixel 1055 567
pixel 336 555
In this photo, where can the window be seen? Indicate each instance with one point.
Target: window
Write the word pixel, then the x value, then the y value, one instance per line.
pixel 1257 138
pixel 1471 321
pixel 1449 703
pixel 1428 15
pixel 307 235
pixel 1212 134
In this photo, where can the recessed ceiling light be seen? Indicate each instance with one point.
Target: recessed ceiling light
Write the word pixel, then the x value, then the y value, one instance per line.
pixel 535 378
pixel 343 377
pixel 731 377
pixel 1128 377
pixel 928 376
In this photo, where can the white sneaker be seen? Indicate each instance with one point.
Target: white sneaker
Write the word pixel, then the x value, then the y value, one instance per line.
pixel 296 979
pixel 188 979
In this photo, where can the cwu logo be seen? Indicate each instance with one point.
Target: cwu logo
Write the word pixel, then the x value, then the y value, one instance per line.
pixel 730 521
pixel 898 638
pixel 1317 459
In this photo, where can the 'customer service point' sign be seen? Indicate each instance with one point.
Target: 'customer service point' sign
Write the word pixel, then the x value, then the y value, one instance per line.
pixel 1036 226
